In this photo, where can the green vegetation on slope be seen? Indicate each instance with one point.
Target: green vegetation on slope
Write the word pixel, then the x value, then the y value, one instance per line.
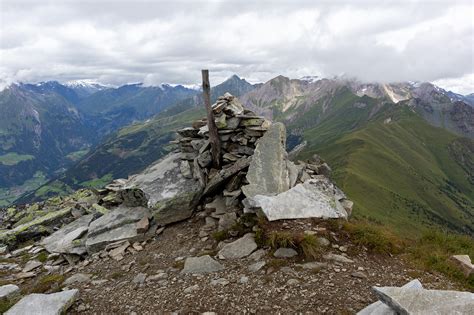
pixel 13 158
pixel 401 173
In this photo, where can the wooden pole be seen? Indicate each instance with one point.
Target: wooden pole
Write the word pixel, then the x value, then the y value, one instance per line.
pixel 213 133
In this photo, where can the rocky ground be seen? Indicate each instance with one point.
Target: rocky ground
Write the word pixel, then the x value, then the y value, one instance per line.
pixel 150 280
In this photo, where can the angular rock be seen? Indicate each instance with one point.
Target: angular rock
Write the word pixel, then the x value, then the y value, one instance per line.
pixel 143 225
pixel 226 221
pixel 202 264
pixel 338 258
pixel 77 278
pixel 464 262
pixel 219 179
pixel 44 304
pixel 117 218
pixel 379 308
pixel 420 301
pixel 32 265
pixel 171 196
pixel 35 228
pixel 9 292
pixel 240 248
pixel 62 241
pixel 256 266
pixel 188 132
pixel 268 174
pixel 285 253
pixel 314 265
pixel 305 200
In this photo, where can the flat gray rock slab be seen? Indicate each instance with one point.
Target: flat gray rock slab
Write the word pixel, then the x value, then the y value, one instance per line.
pixel 44 304
pixel 117 218
pixel 268 172
pixel 202 264
pixel 77 278
pixel 379 308
pixel 425 302
pixel 8 292
pixel 240 248
pixel 171 196
pixel 32 265
pixel 307 200
pixel 96 243
pixel 62 241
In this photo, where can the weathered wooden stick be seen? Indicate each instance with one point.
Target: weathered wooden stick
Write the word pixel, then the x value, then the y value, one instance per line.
pixel 213 133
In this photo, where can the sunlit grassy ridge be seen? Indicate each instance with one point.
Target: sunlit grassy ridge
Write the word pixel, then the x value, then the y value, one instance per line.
pixel 403 173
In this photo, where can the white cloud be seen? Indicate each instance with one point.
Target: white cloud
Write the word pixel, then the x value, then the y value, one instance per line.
pixel 170 41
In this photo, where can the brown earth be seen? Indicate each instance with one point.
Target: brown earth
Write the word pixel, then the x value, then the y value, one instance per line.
pixel 281 286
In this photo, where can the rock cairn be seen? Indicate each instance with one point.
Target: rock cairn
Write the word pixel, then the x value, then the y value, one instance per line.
pixel 254 162
pixel 239 129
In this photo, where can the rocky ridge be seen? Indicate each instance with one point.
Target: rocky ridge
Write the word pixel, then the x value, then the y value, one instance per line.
pixel 113 225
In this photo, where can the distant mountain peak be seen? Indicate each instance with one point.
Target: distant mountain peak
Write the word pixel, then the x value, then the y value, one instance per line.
pixel 310 78
pixel 86 83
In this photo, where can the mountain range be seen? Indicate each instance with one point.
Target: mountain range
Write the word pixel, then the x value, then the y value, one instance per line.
pixel 403 152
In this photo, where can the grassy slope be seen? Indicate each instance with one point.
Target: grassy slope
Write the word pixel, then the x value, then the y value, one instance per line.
pixel 401 174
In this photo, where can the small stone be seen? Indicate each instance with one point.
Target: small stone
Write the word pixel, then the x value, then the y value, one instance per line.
pixel 77 278
pixel 220 281
pixel 202 264
pixel 143 225
pixel 258 254
pixel 240 248
pixel 25 275
pixel 292 282
pixel 323 241
pixel 191 289
pixel 256 266
pixel 314 265
pixel 139 278
pixel 159 276
pixel 136 246
pixel 337 258
pixel 244 279
pixel 283 252
pixel 227 220
pixel 9 292
pixel 359 274
pixel 464 262
pixel 31 265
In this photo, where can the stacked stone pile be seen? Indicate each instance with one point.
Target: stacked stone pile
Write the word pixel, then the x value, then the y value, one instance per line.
pixel 253 150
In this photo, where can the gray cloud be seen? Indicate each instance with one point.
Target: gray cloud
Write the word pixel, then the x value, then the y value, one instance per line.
pixel 117 42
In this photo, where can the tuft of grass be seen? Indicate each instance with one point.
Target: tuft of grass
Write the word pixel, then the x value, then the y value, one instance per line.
pixel 48 283
pixel 117 275
pixel 220 235
pixel 376 239
pixel 43 256
pixel 310 247
pixel 277 239
pixel 178 264
pixel 5 305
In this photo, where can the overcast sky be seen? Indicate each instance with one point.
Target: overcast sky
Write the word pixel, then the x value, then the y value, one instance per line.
pixel 118 42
